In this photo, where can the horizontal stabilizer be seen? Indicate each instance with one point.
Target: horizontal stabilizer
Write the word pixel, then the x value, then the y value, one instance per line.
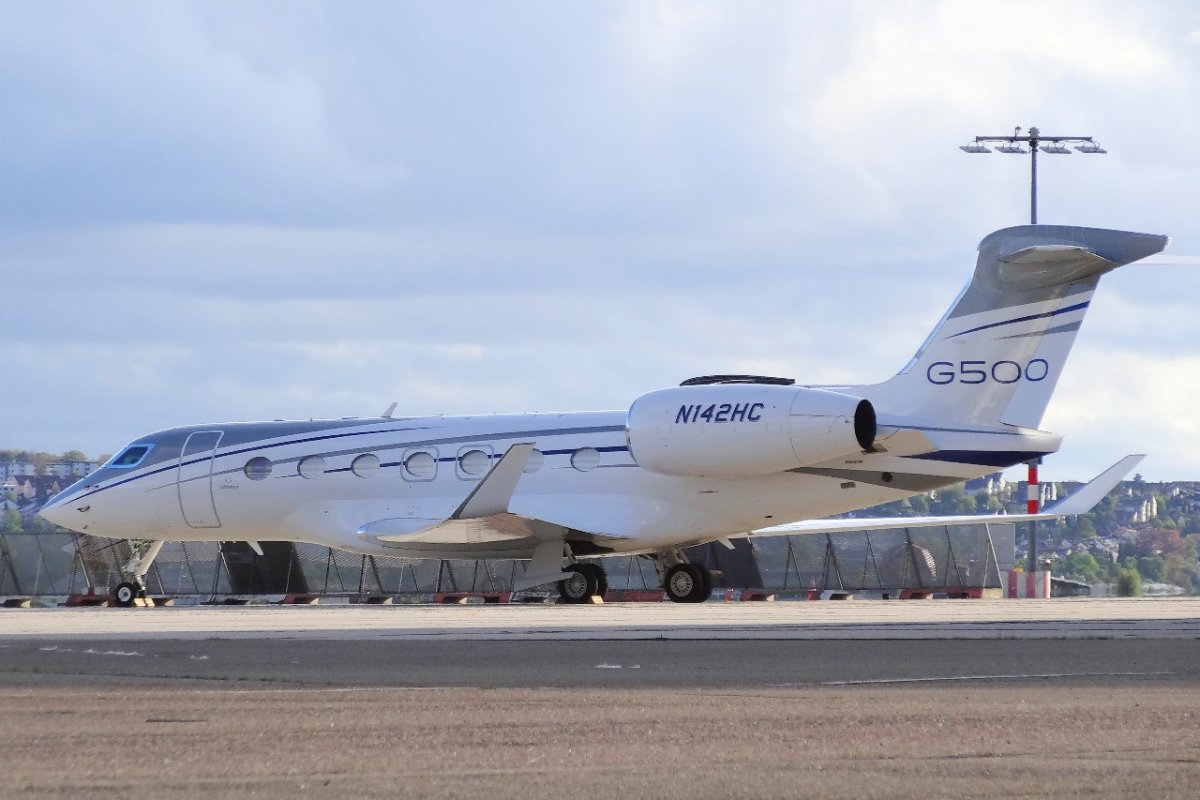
pixel 1048 253
pixel 1081 502
pixel 1049 265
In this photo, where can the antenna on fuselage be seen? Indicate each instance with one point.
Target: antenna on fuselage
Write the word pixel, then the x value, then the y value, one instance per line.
pixel 390 410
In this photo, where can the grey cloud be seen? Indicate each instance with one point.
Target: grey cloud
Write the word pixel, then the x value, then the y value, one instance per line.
pixel 259 210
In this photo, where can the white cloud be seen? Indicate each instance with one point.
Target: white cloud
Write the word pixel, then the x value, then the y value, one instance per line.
pixel 662 39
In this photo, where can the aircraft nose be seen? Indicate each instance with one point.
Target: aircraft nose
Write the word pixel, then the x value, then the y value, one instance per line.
pixel 67 513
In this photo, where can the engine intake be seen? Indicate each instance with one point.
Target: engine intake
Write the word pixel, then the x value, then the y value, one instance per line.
pixel 730 430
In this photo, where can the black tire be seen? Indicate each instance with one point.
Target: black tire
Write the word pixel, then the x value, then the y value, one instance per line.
pixel 580 586
pixel 601 582
pixel 126 594
pixel 687 583
pixel 599 574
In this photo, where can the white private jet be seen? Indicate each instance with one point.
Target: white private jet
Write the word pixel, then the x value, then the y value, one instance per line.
pixel 718 457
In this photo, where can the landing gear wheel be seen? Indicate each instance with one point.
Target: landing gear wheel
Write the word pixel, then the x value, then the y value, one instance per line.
pixel 688 583
pixel 600 576
pixel 579 586
pixel 126 594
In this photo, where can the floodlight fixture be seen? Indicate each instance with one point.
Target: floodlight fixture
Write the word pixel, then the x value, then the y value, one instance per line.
pixel 1018 143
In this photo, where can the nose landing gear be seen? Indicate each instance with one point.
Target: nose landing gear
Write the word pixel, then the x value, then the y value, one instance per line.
pixel 127 592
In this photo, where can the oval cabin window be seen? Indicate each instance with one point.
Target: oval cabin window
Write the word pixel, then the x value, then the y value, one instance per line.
pixel 474 462
pixel 585 459
pixel 258 469
pixel 311 467
pixel 365 465
pixel 420 466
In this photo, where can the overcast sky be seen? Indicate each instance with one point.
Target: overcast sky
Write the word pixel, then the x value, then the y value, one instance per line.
pixel 238 211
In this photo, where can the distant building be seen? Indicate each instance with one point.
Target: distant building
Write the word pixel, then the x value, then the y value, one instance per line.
pixel 7 500
pixel 15 469
pixel 56 469
pixel 993 484
pixel 71 469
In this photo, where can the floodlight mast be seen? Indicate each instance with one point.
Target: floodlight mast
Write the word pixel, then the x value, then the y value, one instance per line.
pixel 1055 145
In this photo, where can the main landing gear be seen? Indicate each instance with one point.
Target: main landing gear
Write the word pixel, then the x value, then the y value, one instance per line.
pixel 586 580
pixel 682 582
pixel 688 583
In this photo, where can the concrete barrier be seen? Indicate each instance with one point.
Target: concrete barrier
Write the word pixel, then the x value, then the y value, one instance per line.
pixel 466 598
pixel 634 596
pixel 1028 585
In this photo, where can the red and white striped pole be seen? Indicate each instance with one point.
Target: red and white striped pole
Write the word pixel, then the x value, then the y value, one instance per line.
pixel 1031 506
pixel 1031 492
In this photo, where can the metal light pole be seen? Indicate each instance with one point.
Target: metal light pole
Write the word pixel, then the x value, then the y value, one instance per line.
pixel 1033 148
pixel 1016 144
pixel 1019 144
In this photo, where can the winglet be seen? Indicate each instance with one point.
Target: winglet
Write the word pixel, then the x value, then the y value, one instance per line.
pixel 1087 496
pixel 492 494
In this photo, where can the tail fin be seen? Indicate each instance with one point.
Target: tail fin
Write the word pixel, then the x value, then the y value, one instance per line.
pixel 998 353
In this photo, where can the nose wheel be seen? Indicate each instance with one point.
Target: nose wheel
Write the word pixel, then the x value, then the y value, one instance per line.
pixel 688 583
pixel 127 593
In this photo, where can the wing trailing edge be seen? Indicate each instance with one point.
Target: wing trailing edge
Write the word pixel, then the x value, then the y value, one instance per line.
pixel 1081 501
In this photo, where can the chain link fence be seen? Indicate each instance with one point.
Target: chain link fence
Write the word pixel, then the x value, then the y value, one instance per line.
pixel 948 560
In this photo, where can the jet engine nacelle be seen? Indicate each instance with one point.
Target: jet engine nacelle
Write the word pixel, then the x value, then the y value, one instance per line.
pixel 745 429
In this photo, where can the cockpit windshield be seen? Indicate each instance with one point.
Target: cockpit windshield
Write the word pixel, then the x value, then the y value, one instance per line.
pixel 131 456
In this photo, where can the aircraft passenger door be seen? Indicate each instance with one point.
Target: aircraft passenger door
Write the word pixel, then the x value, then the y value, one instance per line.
pixel 195 480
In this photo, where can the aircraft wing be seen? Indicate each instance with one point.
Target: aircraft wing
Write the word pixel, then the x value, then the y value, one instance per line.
pixel 481 518
pixel 480 527
pixel 1081 501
